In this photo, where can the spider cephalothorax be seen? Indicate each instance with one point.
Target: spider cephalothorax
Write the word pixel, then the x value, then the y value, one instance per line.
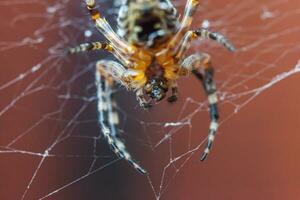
pixel 150 47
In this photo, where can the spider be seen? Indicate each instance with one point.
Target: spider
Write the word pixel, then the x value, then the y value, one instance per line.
pixel 150 46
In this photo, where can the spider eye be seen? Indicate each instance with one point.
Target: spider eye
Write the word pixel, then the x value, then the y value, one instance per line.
pixel 156 92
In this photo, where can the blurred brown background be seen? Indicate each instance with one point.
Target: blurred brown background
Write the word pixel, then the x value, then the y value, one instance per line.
pixel 255 155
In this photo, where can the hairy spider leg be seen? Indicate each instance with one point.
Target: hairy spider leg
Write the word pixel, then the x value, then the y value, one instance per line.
pixel 94 46
pixel 190 9
pixel 132 79
pixel 193 64
pixel 183 45
pixel 190 36
pixel 109 118
pixel 120 46
pixel 218 37
pixel 90 46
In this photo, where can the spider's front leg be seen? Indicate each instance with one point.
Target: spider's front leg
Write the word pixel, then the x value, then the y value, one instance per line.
pixel 190 36
pixel 107 73
pixel 119 45
pixel 193 64
pixel 218 37
pixel 185 24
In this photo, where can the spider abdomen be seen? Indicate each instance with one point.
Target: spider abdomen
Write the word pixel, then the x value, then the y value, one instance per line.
pixel 147 23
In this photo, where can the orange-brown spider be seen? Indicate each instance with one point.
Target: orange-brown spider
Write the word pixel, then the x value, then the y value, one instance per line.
pixel 150 47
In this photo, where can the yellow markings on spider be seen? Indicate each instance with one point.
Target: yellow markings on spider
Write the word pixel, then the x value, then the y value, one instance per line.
pixel 150 49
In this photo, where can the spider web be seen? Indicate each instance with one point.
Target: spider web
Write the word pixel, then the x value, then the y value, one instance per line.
pixel 50 144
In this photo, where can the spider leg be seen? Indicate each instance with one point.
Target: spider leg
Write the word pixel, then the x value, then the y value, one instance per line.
pixel 190 9
pixel 131 79
pixel 184 44
pixel 218 37
pixel 108 115
pixel 193 63
pixel 186 41
pixel 174 89
pixel 91 46
pixel 103 26
pixel 113 70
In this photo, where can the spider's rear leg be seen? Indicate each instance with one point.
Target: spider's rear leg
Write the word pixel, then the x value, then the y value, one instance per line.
pixel 193 63
pixel 106 76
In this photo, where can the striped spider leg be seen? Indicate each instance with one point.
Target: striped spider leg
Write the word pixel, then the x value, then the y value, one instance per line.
pixel 89 46
pixel 121 49
pixel 201 60
pixel 195 63
pixel 185 24
pixel 107 73
pixel 190 36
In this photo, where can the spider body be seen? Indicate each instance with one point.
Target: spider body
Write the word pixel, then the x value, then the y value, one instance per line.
pixel 150 46
pixel 147 23
pixel 154 75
